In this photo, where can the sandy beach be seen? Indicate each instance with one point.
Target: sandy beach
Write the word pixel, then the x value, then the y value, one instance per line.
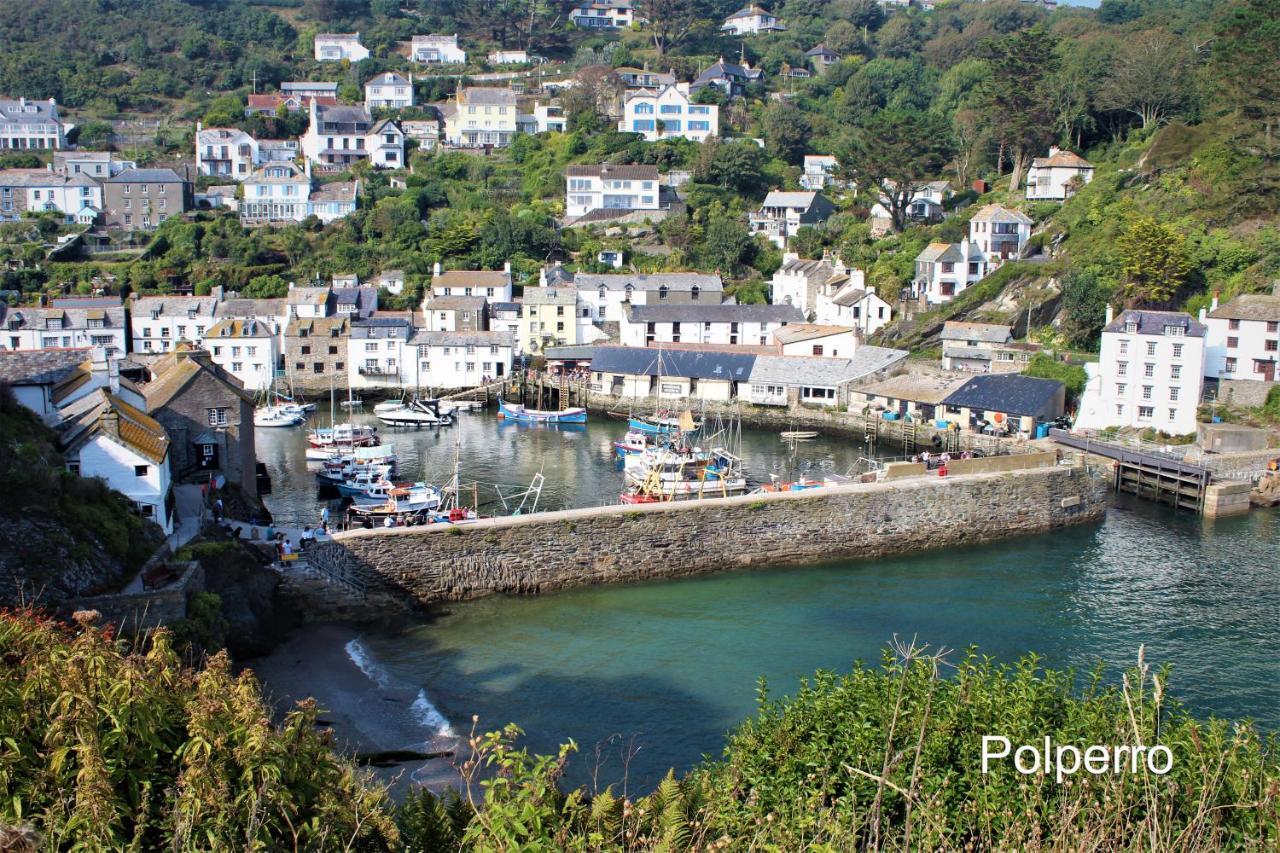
pixel 365 708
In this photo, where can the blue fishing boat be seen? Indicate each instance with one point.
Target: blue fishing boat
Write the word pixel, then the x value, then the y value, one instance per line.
pixel 518 413
pixel 662 424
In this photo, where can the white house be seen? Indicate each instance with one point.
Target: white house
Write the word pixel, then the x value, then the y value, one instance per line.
pixel 460 359
pixel 1243 337
pixel 376 355
pixel 392 280
pixel 481 116
pixel 95 164
pixel 737 325
pixel 853 305
pixel 926 205
pixel 158 323
pixel 505 317
pixel 508 57
pixel 335 47
pixel 225 152
pixel 1000 233
pixel 751 20
pixel 944 270
pixel 1058 176
pixel 31 125
pixel 813 339
pixel 105 437
pixel 388 91
pixel 798 282
pixel 97 322
pixel 247 349
pixel 77 197
pixel 436 49
pixel 606 296
pixel 279 192
pixel 1149 374
pixel 494 285
pixel 730 78
pixel 668 112
pixel 548 117
pixel 784 213
pixel 972 346
pixel 613 188
pixel 603 14
pixel 819 171
pixel 339 137
pixel 305 90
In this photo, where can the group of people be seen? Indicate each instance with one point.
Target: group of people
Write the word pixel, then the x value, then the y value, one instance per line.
pixel 940 460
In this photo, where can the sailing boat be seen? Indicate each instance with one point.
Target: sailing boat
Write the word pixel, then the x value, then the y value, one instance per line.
pixel 661 421
pixel 275 415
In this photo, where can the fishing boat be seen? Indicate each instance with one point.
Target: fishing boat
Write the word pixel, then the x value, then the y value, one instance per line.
pixel 353 404
pixel 274 416
pixel 634 443
pixel 403 501
pixel 335 472
pixel 365 484
pixel 798 435
pixel 520 414
pixel 664 423
pixel 346 435
pixel 415 417
pixel 667 474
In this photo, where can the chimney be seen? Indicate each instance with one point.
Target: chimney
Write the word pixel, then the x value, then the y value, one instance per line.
pixel 1204 314
pixel 1275 287
pixel 109 421
pixel 435 270
pixel 1053 149
pixel 506 267
pixel 113 375
pixel 1213 305
pixel 1109 315
pixel 787 257
pixel 218 292
pixel 542 277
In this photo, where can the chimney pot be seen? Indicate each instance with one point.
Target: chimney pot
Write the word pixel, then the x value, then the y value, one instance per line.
pixel 1109 315
pixel 1213 305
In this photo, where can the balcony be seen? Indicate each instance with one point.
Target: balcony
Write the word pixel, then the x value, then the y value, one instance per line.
pixel 377 370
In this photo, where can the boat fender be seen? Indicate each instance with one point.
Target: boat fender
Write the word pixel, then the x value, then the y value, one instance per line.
pixel 942 471
pixel 457 514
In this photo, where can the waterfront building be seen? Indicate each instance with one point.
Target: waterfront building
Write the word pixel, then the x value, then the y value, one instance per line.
pixel 668 112
pixel 105 437
pixel 548 317
pixel 158 323
pixel 606 295
pixel 207 415
pixel 446 360
pixel 973 346
pixel 246 349
pixel 732 324
pixel 1005 402
pixel 1242 337
pixel 273 313
pixel 1149 374
pixel 66 323
pixel 376 350
pixel 456 314
pixel 505 317
pixel 813 339
pixel 797 380
pixel 315 348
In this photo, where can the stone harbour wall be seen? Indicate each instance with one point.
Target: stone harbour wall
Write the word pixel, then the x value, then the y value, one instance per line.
pixel 619 544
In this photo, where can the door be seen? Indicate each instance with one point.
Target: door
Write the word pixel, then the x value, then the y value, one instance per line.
pixel 208 456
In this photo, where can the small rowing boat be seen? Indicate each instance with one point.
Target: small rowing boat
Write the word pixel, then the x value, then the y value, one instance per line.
pixel 798 435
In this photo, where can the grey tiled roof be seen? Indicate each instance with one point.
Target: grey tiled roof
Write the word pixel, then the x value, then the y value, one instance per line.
pixel 824 372
pixel 1154 322
pixel 146 176
pixel 991 333
pixel 424 337
pixel 40 367
pixel 714 313
pixel 639 281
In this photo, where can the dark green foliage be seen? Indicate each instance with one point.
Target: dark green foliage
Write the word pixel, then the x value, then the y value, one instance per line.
pixel 1084 308
pixel 1073 376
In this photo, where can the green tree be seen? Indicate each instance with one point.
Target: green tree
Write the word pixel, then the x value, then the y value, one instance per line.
pixel 730 164
pixel 1084 308
pixel 726 244
pixel 1246 55
pixel 1155 260
pixel 786 132
pixel 1017 95
pixel 1072 376
pixel 896 154
pixel 1149 76
pixel 266 287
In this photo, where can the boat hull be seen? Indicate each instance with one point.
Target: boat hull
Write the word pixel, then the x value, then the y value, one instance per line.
pixel 519 414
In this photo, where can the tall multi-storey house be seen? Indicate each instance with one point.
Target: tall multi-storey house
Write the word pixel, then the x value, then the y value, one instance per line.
pixel 493 285
pixel 77 197
pixel 668 112
pixel 1058 176
pixel 339 137
pixel 98 165
pixel 436 49
pixel 376 354
pixel 479 116
pixel 30 125
pixel 1243 337
pixel 548 317
pixel 246 349
pixel 727 324
pixel 336 47
pixel 225 152
pixel 388 91
pixel 157 324
pixel 78 321
pixel 784 213
pixel 752 20
pixel 140 199
pixel 616 189
pixel 1000 233
pixel 1150 373
pixel 282 192
pixel 459 359
pixel 606 297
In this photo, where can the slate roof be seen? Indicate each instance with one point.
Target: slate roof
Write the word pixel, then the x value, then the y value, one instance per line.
pixel 251 308
pixel 1000 213
pixel 456 303
pixel 40 367
pixel 424 337
pixel 309 296
pixel 470 278
pixel 337 191
pixel 821 50
pixel 824 372
pixel 237 328
pixel 1153 323
pixel 798 332
pixel 145 176
pixel 990 333
pixel 610 172
pixel 107 414
pixel 292 86
pixel 643 361
pixel 850 296
pixel 780 198
pixel 479 96
pixel 640 281
pixel 172 306
pixel 1011 393
pixel 29 112
pixel 713 313
pixel 1250 306
pixel 388 78
pixel 377 328
pixel 550 296
pixel 365 299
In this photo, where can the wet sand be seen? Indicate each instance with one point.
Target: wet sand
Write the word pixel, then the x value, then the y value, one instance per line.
pixel 366 710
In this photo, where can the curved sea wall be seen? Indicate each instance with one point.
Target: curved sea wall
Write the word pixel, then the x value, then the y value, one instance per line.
pixel 620 544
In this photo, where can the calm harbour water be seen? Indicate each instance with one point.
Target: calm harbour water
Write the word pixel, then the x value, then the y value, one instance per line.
pixel 669 667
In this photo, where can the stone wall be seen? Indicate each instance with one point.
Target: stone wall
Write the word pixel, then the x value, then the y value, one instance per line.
pixel 1250 393
pixel 549 551
pixel 134 611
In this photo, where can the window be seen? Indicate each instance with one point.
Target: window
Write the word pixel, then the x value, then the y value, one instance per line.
pixel 1175 371
pixel 333 350
pixel 317 367
pixel 306 350
pixel 1270 346
pixel 1151 347
pixel 1146 413
pixel 1229 366
pixel 1122 368
pixel 817 349
pixel 1131 327
pixel 217 417
pixel 1233 325
pixel 237 366
pixel 1149 369
pixel 1120 411
pixel 1146 392
pixel 1120 386
pixel 141 470
pixel 1273 325
pixel 1232 343
pixel 1177 350
pixel 1173 394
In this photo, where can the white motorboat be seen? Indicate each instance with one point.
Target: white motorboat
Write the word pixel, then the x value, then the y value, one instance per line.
pixel 415 418
pixel 400 500
pixel 274 416
pixel 389 406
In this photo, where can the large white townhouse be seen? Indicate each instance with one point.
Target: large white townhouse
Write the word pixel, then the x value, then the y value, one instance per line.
pixel 247 349
pixel 479 116
pixel 605 297
pixel 751 20
pixel 339 137
pixel 1243 337
pixel 622 189
pixel 602 14
pixel 437 49
pixel 335 47
pixel 279 192
pixel 376 356
pixel 784 213
pixel 158 323
pixel 830 294
pixel 77 197
pixel 78 321
pixel 1149 374
pixel 668 112
pixel 1058 176
pixel 731 324
pixel 388 91
pixel 31 125
pixel 461 359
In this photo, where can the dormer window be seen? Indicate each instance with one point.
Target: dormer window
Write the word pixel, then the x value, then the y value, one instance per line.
pixel 53 323
pixel 602 292
pixel 694 292
pixel 1174 331
pixel 155 313
pixel 662 292
pixel 1131 327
